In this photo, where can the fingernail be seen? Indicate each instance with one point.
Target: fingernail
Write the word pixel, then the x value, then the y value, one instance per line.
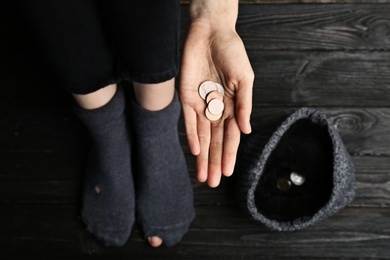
pixel 250 128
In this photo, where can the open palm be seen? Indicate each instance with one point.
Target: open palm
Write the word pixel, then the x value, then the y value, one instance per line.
pixel 219 56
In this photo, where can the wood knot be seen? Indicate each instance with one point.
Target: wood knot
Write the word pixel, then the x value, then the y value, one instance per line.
pixel 353 122
pixel 379 29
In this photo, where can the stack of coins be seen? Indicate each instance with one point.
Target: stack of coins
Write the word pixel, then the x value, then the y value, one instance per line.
pixel 212 93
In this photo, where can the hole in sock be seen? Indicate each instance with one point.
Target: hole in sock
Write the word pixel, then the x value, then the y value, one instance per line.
pixel 305 148
pixel 97 189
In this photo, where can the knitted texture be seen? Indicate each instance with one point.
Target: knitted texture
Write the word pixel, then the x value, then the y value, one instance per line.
pixel 165 206
pixel 255 153
pixel 108 198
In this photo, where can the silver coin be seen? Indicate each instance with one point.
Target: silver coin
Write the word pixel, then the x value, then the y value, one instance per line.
pixel 220 88
pixel 297 178
pixel 206 87
pixel 215 106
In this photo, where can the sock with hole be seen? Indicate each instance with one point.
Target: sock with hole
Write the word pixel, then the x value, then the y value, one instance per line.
pixel 108 194
pixel 165 205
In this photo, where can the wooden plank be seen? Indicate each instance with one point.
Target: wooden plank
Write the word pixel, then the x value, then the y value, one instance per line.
pixel 330 234
pixel 372 181
pixel 294 78
pixel 55 178
pixel 315 27
pixel 372 186
pixel 45 161
pixel 364 131
pixel 285 78
pixel 39 130
pixel 217 233
pixel 34 166
pixel 321 78
pixel 312 27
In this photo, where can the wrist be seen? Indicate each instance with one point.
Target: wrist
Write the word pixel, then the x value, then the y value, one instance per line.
pixel 214 15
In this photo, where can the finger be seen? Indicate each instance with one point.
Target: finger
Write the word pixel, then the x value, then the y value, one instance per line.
pixel 204 143
pixel 230 146
pixel 244 105
pixel 215 154
pixel 190 123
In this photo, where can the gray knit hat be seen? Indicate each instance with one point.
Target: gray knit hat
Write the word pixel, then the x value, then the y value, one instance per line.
pixel 294 174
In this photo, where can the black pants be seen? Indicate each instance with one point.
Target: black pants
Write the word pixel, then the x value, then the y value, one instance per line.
pixel 93 43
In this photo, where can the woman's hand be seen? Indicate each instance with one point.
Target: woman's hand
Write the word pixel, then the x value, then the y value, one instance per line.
pixel 213 51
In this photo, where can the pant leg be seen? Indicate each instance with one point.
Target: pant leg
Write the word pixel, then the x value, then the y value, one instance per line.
pixel 71 36
pixel 145 34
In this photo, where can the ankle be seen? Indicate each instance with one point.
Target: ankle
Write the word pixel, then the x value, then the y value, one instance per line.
pixel 154 97
pixel 152 123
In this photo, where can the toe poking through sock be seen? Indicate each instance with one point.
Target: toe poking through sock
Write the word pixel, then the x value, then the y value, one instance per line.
pixel 155 241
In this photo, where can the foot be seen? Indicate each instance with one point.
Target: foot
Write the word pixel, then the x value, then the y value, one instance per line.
pixel 164 192
pixel 108 192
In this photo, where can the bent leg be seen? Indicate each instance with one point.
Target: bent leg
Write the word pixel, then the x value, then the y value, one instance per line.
pixel 72 39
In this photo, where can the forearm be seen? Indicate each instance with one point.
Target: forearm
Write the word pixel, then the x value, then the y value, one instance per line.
pixel 215 14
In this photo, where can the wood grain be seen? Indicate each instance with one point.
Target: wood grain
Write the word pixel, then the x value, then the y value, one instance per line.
pixel 372 188
pixel 56 179
pixel 364 130
pixel 308 78
pixel 217 233
pixel 333 57
pixel 321 78
pixel 372 185
pixel 30 128
pixel 315 27
pixel 37 169
pixel 311 26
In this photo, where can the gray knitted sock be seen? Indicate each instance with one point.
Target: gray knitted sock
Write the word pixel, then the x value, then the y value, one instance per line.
pixel 164 193
pixel 108 192
pixel 307 143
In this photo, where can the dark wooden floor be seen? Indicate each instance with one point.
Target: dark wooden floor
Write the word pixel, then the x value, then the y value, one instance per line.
pixel 334 57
